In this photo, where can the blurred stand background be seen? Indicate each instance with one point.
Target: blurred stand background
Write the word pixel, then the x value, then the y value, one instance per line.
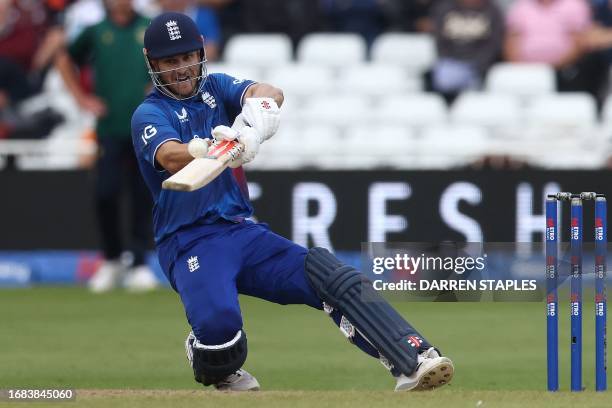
pixel 403 120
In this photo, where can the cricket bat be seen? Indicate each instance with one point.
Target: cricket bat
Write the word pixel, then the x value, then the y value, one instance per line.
pixel 201 171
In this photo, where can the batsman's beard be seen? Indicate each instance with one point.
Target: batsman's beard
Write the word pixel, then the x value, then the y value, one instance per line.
pixel 183 86
pixel 197 73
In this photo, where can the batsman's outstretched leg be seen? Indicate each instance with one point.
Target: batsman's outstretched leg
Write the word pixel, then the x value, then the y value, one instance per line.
pixel 220 365
pixel 363 313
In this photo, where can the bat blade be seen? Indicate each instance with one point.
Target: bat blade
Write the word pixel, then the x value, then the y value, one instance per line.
pixel 201 171
pixel 196 174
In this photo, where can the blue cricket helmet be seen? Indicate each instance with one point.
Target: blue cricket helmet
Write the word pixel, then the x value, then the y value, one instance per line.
pixel 172 34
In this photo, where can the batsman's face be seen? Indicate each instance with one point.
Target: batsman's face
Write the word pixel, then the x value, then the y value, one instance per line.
pixel 180 72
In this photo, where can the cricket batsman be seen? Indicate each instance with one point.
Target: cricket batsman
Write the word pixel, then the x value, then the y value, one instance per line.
pixel 209 249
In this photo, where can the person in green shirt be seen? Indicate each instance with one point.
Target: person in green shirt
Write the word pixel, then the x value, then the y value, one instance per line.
pixel 113 49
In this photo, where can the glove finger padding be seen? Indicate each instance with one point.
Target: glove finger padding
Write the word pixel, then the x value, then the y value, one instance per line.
pixel 224 133
pixel 250 138
pixel 262 114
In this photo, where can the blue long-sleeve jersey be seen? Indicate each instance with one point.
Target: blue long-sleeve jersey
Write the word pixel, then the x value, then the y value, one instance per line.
pixel 160 119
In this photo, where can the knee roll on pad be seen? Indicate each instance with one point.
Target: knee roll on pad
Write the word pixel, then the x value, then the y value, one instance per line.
pixel 211 364
pixel 346 289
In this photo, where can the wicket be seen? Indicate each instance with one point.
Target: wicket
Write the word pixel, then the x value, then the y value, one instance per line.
pixel 552 274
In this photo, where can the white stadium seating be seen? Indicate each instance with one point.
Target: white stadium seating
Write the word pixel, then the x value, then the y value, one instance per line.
pixel 238 71
pixel 521 79
pixel 335 110
pixel 443 146
pixel 561 131
pixel 378 146
pixel 484 109
pixel 331 49
pixel 415 52
pixel 576 110
pixel 376 80
pixel 261 50
pixel 302 80
pixel 320 146
pixel 418 109
pixel 343 111
pixel 282 151
pixel 290 110
pixel 298 146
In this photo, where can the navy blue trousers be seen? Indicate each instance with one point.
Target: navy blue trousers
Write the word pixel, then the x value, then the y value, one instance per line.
pixel 209 265
pixel 228 259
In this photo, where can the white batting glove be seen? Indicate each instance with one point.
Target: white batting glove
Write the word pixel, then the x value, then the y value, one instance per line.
pixel 262 114
pixel 220 133
pixel 239 123
pixel 248 136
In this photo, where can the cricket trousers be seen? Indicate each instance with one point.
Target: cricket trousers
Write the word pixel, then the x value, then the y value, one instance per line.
pixel 116 168
pixel 209 265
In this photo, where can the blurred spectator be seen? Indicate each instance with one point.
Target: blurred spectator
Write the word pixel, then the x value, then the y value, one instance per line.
pixel 599 36
pixel 598 39
pixel 28 37
pixel 412 16
pixel 22 28
pixel 553 32
pixel 204 17
pixel 469 37
pixel 504 4
pixel 82 14
pixel 364 17
pixel 292 17
pixel 229 13
pixel 14 88
pixel 114 48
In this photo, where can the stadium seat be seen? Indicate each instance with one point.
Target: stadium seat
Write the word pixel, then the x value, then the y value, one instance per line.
pixel 332 49
pixel 521 79
pixel 378 146
pixel 562 126
pixel 335 110
pixel 320 146
pixel 571 158
pixel 302 80
pixel 282 151
pixel 261 50
pixel 416 52
pixel 445 146
pixel 418 109
pixel 484 109
pixel 290 110
pixel 237 71
pixel 376 80
pixel 576 110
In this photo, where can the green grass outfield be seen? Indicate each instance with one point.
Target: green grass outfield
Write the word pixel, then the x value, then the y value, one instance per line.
pixel 127 351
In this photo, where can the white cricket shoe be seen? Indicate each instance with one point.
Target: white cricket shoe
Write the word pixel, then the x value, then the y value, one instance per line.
pixel 432 371
pixel 241 380
pixel 107 277
pixel 140 279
